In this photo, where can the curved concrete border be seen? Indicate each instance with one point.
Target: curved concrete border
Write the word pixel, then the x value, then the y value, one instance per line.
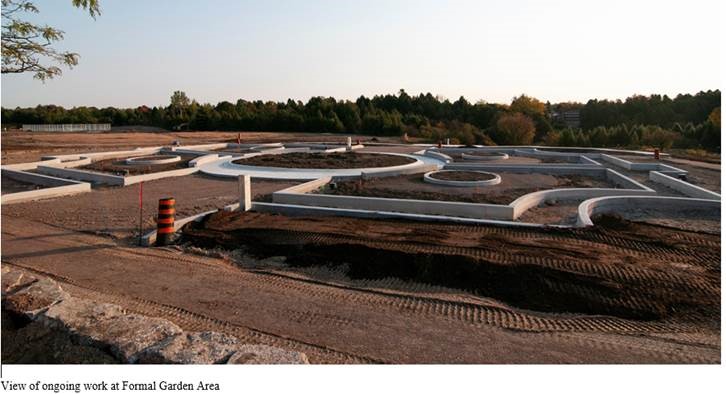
pixel 600 205
pixel 225 168
pixel 147 161
pixel 488 157
pixel 489 182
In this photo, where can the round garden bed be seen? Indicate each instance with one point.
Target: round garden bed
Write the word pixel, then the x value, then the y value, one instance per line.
pixel 462 178
pixel 325 160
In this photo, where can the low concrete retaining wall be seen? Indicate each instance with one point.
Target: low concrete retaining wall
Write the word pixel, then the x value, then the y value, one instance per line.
pixel 109 179
pixel 531 200
pixel 32 165
pixel 624 181
pixel 130 180
pixel 438 155
pixel 686 188
pixel 554 169
pixel 489 182
pixel 206 159
pixel 460 209
pixel 58 187
pixel 601 205
pixel 489 157
pixel 150 238
pixel 303 210
pixel 80 175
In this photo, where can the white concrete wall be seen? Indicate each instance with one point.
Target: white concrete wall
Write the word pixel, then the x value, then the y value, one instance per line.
pixel 554 169
pixel 684 187
pixel 624 181
pixel 130 180
pixel 80 175
pixel 602 205
pixel 57 187
pixel 459 209
pixel 531 200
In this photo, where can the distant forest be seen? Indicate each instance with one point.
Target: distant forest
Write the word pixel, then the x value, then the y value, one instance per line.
pixel 685 121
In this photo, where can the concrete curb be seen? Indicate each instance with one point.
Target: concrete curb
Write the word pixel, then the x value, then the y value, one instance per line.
pixel 594 206
pixel 429 179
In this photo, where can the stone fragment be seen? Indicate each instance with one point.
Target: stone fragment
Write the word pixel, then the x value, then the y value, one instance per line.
pixel 192 348
pixel 34 298
pixel 262 354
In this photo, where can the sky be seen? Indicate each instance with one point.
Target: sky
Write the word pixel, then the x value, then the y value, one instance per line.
pixel 139 52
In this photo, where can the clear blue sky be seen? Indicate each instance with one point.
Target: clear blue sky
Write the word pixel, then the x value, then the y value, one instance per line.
pixel 138 52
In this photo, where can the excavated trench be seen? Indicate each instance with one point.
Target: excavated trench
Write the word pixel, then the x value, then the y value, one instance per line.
pixel 519 277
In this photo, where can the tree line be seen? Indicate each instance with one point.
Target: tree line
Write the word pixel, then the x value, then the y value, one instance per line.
pixel 688 121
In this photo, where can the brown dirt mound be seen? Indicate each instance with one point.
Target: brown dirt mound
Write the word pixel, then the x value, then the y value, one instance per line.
pixel 630 273
pixel 462 176
pixel 120 167
pixel 325 160
pixel 414 187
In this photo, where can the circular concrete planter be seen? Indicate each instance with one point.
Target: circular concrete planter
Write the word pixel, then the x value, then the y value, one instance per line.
pixel 486 156
pixel 153 160
pixel 489 182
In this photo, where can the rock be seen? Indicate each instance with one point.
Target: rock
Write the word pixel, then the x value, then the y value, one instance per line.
pixel 192 348
pixel 34 298
pixel 76 314
pixel 262 354
pixel 130 334
pixel 107 326
pixel 13 279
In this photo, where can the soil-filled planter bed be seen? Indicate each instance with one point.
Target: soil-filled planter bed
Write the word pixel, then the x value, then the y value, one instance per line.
pixel 10 185
pixel 121 167
pixel 462 176
pixel 325 160
pixel 414 187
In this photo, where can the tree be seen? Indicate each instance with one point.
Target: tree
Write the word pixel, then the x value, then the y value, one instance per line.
pixel 715 117
pixel 27 47
pixel 527 105
pixel 515 129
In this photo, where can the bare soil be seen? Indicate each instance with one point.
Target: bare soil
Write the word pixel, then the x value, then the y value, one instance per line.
pixel 552 273
pixel 22 146
pixel 325 160
pixel 114 211
pixel 10 185
pixel 414 187
pixel 462 176
pixel 120 167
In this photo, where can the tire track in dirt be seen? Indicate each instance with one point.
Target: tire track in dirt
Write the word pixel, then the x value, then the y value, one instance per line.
pixel 193 321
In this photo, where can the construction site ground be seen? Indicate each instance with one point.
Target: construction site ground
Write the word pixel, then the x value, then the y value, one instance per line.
pixel 346 290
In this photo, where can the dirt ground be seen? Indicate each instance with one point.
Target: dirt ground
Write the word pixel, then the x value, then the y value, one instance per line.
pixel 21 146
pixel 115 211
pixel 119 166
pixel 576 276
pixel 10 185
pixel 325 160
pixel 346 290
pixel 462 176
pixel 708 221
pixel 334 317
pixel 413 187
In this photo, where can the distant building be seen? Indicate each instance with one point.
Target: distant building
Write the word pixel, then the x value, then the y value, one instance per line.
pixel 571 118
pixel 68 127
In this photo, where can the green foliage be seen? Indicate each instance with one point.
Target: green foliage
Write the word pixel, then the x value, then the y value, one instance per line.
pixel 27 47
pixel 423 116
